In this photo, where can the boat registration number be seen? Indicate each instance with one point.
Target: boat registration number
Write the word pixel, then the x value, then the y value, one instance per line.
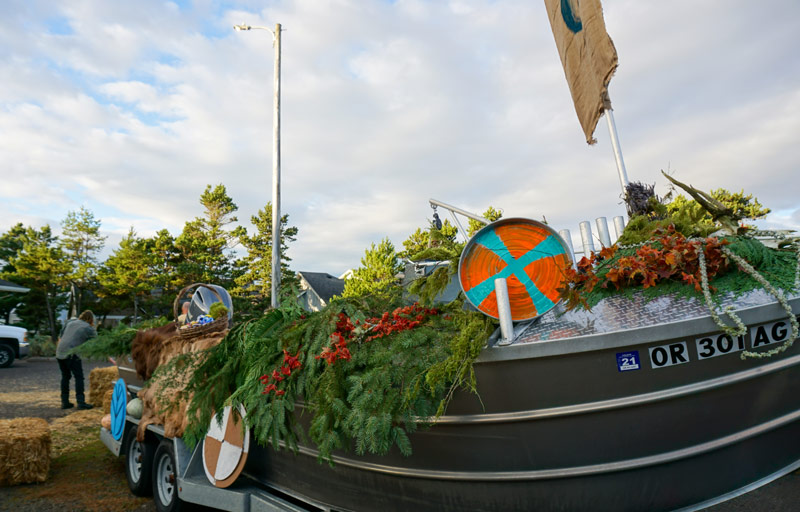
pixel 718 344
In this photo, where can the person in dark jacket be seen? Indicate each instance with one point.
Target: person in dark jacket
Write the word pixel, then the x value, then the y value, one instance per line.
pixel 75 333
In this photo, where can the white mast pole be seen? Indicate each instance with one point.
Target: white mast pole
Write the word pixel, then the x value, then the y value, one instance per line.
pixel 612 130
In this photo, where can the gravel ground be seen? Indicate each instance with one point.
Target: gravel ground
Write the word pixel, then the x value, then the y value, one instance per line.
pixel 31 388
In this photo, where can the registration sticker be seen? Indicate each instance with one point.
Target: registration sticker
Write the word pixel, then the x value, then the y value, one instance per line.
pixel 627 361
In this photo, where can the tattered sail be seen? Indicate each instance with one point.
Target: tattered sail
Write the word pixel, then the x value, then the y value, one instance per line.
pixel 587 54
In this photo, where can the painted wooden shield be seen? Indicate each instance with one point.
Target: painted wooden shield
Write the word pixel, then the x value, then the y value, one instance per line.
pixel 119 400
pixel 528 254
pixel 225 447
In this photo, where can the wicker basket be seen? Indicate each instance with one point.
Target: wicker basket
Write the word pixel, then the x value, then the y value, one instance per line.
pixel 220 324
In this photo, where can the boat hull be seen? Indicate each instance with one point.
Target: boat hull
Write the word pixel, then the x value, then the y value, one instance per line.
pixel 564 424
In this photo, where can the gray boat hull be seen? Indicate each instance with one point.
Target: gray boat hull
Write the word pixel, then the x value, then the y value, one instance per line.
pixel 563 424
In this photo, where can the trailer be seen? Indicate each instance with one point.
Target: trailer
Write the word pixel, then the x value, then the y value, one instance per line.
pixel 173 474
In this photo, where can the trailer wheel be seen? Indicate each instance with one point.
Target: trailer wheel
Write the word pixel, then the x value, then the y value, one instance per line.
pixel 138 464
pixel 165 479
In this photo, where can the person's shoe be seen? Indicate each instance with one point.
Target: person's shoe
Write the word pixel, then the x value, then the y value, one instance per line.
pixel 84 406
pixel 67 405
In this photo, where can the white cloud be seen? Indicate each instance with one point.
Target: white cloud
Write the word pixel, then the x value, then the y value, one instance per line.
pixel 384 105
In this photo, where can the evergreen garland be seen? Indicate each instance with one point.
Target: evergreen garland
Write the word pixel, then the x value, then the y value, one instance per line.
pixel 115 342
pixel 359 377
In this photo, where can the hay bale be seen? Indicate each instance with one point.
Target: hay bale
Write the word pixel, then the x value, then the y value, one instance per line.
pixel 24 451
pixel 100 381
pixel 107 401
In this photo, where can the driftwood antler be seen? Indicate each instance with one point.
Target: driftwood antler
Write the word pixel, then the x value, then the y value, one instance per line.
pixel 718 211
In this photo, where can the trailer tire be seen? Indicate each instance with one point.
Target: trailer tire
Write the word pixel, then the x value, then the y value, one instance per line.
pixel 165 479
pixel 138 463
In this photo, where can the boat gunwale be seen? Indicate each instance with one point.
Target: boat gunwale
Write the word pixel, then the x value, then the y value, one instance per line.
pixel 617 403
pixel 753 315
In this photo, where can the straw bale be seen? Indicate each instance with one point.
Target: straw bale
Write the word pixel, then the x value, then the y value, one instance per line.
pixel 100 381
pixel 24 451
pixel 160 398
pixel 107 401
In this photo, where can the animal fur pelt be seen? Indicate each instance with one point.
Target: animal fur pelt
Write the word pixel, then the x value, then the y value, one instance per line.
pixel 147 345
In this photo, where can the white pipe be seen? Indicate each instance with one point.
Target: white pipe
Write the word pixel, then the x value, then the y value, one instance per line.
pixel 567 237
pixel 602 231
pixel 619 225
pixel 586 238
pixel 612 130
pixel 454 209
pixel 504 312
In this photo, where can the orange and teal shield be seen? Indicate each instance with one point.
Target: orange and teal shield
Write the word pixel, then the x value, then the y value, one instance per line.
pixel 528 254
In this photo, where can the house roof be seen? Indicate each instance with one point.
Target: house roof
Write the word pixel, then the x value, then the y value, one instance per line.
pixel 8 286
pixel 323 284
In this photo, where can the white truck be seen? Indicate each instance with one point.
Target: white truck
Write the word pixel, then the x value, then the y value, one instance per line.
pixel 13 344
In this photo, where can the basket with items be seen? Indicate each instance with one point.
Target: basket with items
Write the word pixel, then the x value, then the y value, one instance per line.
pixel 209 310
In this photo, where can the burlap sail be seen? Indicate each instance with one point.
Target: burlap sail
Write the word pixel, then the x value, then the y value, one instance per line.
pixel 588 56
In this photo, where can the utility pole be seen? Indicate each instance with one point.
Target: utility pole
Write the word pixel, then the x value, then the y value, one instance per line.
pixel 276 161
pixel 276 172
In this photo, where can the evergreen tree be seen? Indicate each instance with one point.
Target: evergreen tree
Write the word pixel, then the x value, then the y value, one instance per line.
pixel 491 214
pixel 377 272
pixel 254 279
pixel 10 244
pixel 128 272
pixel 43 267
pixel 421 240
pixel 81 242
pixel 204 241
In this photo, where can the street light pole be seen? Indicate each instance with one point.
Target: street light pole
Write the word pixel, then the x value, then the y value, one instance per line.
pixel 276 162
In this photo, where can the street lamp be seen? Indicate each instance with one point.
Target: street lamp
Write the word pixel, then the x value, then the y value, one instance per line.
pixel 276 161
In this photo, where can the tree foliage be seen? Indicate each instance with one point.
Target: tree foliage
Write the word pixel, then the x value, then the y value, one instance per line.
pixel 255 280
pixel 205 241
pixel 81 242
pixel 42 266
pixel 377 272
pixel 491 214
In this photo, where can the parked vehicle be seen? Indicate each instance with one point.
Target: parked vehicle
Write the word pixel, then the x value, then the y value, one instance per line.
pixel 13 344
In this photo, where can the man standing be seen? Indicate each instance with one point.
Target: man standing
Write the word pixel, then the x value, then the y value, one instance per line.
pixel 76 332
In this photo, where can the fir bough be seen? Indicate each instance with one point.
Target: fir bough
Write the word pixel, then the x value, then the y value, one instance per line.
pixel 368 401
pixel 115 342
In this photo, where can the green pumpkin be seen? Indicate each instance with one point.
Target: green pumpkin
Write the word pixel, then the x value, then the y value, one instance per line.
pixel 134 408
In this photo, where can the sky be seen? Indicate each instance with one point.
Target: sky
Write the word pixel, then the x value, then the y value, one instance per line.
pixel 131 108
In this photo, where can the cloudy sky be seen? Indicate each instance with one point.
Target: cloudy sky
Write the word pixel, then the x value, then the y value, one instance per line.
pixel 131 108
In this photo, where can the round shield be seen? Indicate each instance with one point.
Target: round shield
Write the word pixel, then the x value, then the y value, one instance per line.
pixel 225 447
pixel 528 254
pixel 119 400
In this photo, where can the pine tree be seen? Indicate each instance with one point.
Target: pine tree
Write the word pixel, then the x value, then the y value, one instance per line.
pixel 81 242
pixel 43 267
pixel 379 266
pixel 128 272
pixel 491 214
pixel 10 244
pixel 205 240
pixel 255 278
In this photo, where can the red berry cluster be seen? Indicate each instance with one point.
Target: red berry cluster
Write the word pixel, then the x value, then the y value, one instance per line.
pixel 338 347
pixel 290 363
pixel 401 319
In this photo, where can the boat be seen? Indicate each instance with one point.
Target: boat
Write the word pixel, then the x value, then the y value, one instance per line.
pixel 637 404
